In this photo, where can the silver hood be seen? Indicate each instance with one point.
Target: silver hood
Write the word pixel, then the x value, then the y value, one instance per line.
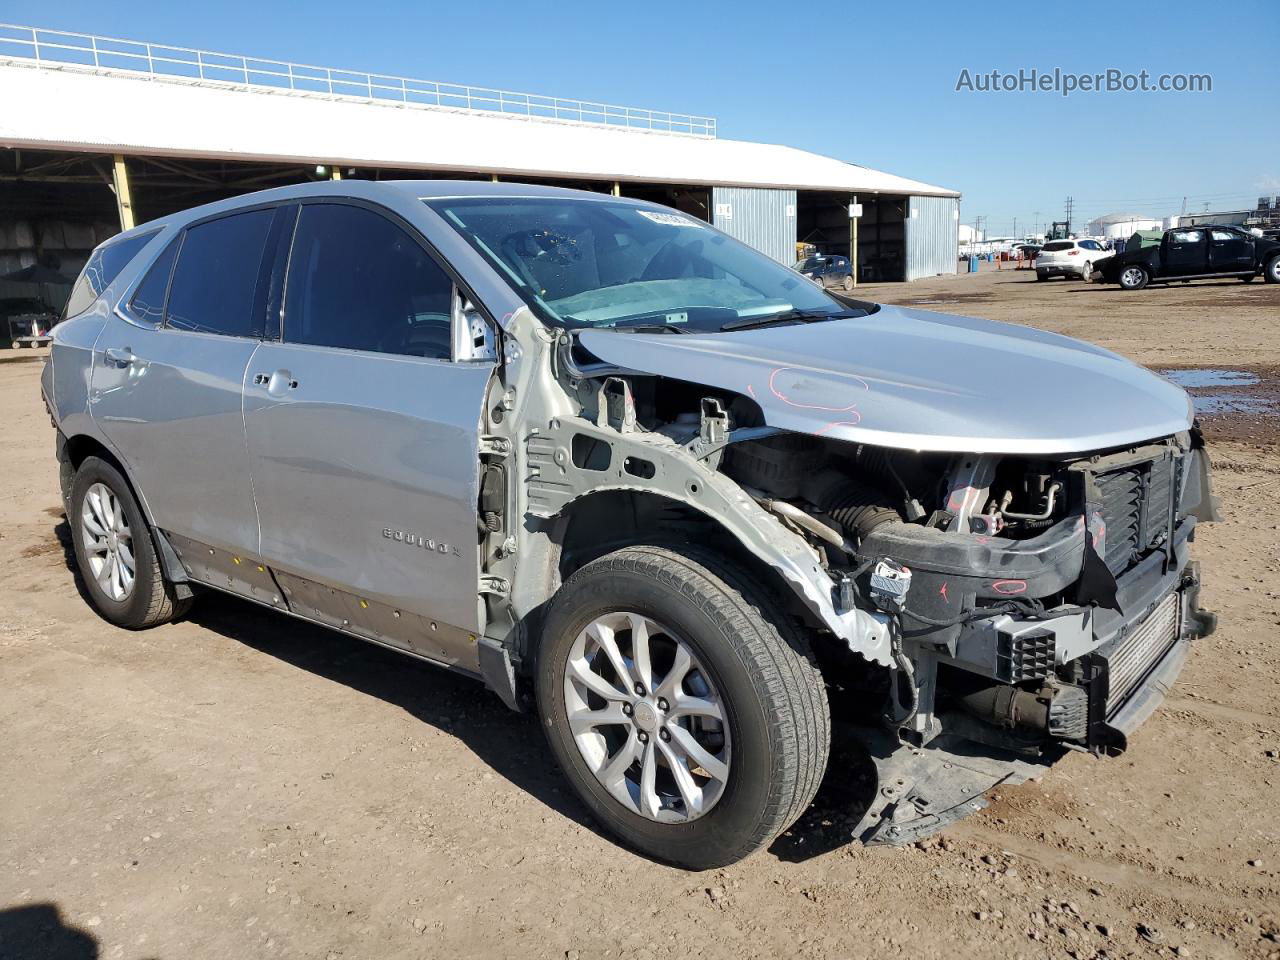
pixel 919 380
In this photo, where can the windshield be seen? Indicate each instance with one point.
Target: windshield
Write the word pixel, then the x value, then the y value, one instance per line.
pixel 602 263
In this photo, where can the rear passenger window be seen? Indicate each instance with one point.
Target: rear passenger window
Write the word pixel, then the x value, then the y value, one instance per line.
pixel 358 281
pixel 148 301
pixel 103 267
pixel 217 275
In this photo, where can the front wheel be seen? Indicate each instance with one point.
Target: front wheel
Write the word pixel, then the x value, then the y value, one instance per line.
pixel 114 550
pixel 1133 278
pixel 848 283
pixel 1272 272
pixel 692 721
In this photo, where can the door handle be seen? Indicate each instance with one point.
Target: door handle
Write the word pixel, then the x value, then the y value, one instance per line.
pixel 276 381
pixel 119 356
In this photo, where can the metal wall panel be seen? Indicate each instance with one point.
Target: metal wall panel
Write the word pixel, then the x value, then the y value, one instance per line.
pixel 933 225
pixel 764 219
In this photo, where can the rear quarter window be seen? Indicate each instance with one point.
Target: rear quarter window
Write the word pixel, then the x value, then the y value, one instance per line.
pixel 1058 245
pixel 104 266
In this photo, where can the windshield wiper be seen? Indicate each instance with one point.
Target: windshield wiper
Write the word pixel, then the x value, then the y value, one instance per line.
pixel 790 316
pixel 646 328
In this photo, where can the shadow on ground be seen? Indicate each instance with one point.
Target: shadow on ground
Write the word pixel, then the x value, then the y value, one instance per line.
pixel 510 743
pixel 38 931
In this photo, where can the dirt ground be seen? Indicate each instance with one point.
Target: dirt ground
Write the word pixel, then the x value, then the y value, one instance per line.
pixel 240 784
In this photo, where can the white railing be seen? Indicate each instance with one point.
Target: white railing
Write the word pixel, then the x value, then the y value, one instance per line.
pixel 61 49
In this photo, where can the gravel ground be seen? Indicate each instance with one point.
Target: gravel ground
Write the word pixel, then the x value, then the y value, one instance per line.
pixel 239 784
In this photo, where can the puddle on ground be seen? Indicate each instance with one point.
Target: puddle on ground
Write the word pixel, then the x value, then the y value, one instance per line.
pixel 1211 378
pixel 1221 392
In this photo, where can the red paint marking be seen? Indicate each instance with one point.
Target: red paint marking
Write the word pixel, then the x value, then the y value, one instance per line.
pixel 1009 587
pixel 943 591
pixel 751 390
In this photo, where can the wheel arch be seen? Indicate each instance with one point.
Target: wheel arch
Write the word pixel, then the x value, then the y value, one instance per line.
pixel 75 450
pixel 635 517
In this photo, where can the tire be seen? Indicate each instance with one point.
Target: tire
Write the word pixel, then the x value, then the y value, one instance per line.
pixel 1249 279
pixel 1041 275
pixel 1085 271
pixel 1272 270
pixel 847 283
pixel 149 599
pixel 1133 278
pixel 752 662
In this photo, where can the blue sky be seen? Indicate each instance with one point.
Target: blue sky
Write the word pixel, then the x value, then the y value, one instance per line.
pixel 868 83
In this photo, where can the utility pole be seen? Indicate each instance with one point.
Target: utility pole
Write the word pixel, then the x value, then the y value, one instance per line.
pixel 1035 226
pixel 1070 204
pixel 1015 228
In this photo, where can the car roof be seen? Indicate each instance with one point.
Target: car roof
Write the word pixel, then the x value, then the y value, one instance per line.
pixel 375 189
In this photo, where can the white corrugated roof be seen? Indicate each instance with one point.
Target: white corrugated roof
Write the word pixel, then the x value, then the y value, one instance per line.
pixel 117 112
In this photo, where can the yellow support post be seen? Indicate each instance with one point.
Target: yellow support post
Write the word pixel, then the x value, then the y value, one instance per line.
pixel 335 173
pixel 617 189
pixel 124 202
pixel 493 178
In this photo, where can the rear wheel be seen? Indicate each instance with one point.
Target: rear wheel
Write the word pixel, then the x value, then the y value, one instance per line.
pixel 1041 275
pixel 1249 279
pixel 1272 271
pixel 1133 278
pixel 115 552
pixel 690 720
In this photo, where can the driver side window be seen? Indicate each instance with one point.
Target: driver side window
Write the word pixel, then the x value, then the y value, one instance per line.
pixel 357 281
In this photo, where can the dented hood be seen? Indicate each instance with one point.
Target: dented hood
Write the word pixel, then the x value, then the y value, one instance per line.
pixel 920 380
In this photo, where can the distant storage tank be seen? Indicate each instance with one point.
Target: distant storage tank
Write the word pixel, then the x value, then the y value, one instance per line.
pixel 1116 225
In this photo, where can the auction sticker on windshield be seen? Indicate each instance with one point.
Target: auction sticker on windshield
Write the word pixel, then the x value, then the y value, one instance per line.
pixel 670 219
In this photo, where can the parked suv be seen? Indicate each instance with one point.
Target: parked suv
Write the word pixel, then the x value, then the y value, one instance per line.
pixel 827 270
pixel 643 481
pixel 1068 258
pixel 1194 253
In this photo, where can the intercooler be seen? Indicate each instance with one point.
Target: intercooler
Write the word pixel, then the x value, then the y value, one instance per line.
pixel 1137 653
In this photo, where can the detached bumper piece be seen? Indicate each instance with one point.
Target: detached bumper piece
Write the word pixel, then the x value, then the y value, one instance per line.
pixel 922 791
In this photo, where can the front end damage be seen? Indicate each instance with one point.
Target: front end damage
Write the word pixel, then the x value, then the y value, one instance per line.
pixel 994 610
pixel 1033 605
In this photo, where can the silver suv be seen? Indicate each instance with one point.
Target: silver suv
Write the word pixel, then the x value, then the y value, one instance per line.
pixel 642 480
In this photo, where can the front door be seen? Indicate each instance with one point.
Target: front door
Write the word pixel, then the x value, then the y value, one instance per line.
pixel 168 382
pixel 1185 252
pixel 363 435
pixel 1230 252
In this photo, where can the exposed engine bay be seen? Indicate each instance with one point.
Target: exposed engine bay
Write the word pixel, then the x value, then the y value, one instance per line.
pixel 1007 608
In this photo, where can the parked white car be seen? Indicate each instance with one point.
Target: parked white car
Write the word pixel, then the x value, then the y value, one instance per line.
pixel 1068 258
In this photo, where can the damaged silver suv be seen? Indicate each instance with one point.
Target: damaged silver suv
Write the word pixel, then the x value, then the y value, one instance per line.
pixel 640 479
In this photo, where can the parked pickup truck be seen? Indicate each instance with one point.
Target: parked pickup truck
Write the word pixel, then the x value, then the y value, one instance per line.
pixel 1194 253
pixel 642 481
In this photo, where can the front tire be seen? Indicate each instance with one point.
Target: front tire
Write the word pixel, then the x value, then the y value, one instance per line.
pixel 1133 278
pixel 692 721
pixel 1272 271
pixel 847 283
pixel 115 552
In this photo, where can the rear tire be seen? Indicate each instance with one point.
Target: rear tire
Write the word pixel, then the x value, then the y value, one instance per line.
pixel 1249 279
pixel 1041 275
pixel 751 660
pixel 115 552
pixel 1134 278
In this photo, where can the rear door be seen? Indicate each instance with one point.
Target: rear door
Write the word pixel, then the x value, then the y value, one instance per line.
pixel 168 378
pixel 1186 252
pixel 1230 252
pixel 364 437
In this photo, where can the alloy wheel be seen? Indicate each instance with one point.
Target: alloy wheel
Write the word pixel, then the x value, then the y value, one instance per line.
pixel 646 718
pixel 108 542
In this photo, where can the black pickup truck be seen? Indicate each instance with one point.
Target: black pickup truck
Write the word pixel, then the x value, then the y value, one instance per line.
pixel 1194 253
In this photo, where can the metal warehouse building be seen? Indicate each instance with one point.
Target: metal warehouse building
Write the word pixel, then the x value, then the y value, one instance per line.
pixel 98 133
